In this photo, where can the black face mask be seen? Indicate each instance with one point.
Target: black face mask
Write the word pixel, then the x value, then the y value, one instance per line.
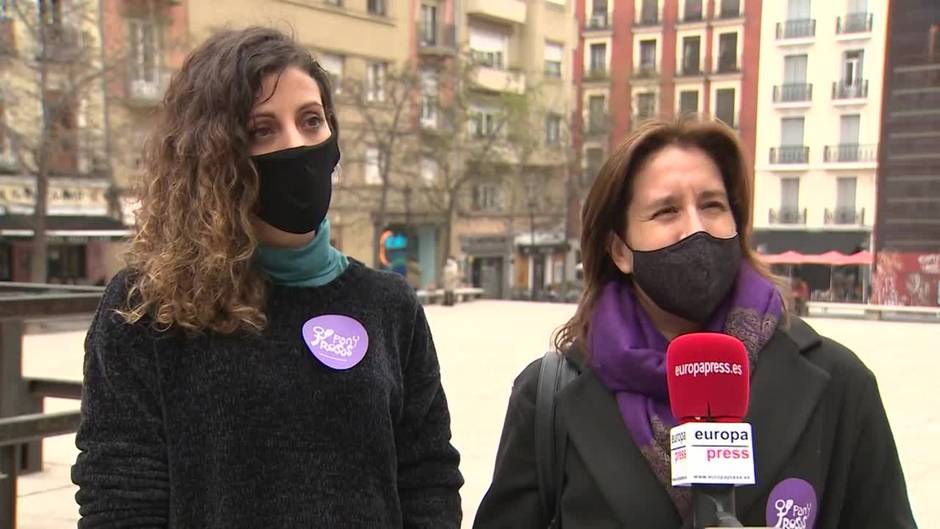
pixel 691 277
pixel 296 185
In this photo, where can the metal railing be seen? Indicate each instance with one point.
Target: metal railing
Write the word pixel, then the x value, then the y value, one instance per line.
pixel 437 38
pixel 24 425
pixel 788 216
pixel 853 90
pixel 596 74
pixel 598 21
pixel 789 154
pixel 796 29
pixel 854 23
pixel 850 152
pixel 793 92
pixel 844 216
pixel 598 123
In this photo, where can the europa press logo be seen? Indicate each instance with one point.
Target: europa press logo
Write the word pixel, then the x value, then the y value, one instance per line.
pixel 792 505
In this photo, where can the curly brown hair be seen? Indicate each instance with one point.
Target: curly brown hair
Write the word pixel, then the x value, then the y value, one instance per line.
pixel 192 255
pixel 612 192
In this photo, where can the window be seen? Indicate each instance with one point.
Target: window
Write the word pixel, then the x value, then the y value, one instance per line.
pixel 647 56
pixel 730 8
pixel 428 28
pixel 791 132
pixel 693 10
pixel 6 262
pixel 599 14
pixel 789 197
pixel 645 106
pixel 728 52
pixel 375 82
pixel 50 11
pixel 554 52
pixel 594 159
pixel 483 122
pixel 428 99
pixel 597 113
pixel 845 200
pixel 598 58
pixel 429 170
pixel 852 67
pixel 724 106
pixel 798 10
pixel 66 261
pixel 333 64
pixel 376 7
pixel 485 197
pixel 794 69
pixel 488 47
pixel 688 102
pixel 691 55
pixel 553 129
pixel 649 14
pixel 144 45
pixel 373 166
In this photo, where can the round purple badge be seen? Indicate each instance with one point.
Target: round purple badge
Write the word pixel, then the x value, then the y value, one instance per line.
pixel 340 342
pixel 792 505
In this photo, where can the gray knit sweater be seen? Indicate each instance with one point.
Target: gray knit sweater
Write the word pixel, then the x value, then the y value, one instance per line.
pixel 240 431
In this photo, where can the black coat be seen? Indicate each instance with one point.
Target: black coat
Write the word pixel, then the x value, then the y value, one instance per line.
pixel 816 415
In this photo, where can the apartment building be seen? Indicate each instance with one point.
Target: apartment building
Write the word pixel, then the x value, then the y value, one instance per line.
pixel 819 106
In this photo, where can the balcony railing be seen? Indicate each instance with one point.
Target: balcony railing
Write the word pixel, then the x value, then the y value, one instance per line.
pixel 854 90
pixel 787 215
pixel 730 9
pixel 437 39
pixel 850 152
pixel 598 21
pixel 854 23
pixel 793 93
pixel 728 64
pixel 645 71
pixel 789 154
pixel 845 216
pixel 648 20
pixel 689 70
pixel 796 29
pixel 596 74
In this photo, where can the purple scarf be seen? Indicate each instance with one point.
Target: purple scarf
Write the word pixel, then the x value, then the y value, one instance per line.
pixel 628 355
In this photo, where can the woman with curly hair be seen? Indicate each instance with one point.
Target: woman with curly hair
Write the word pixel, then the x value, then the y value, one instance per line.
pixel 242 372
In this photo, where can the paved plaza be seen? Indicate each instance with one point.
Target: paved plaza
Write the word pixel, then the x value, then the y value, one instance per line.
pixel 483 345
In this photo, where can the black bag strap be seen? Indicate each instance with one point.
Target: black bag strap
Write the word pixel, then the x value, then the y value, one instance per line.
pixel 550 436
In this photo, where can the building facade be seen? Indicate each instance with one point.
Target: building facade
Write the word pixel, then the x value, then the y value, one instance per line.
pixel 907 225
pixel 820 113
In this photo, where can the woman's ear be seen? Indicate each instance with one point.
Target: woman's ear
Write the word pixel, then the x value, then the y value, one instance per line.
pixel 620 253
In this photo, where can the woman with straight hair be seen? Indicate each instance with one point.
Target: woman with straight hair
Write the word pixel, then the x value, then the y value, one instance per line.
pixel 242 372
pixel 666 251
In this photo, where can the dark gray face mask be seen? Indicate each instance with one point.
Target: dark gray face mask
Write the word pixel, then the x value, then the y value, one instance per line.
pixel 690 278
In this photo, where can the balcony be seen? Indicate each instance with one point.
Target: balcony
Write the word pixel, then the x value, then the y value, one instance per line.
pixel 498 80
pixel 648 20
pixel 513 11
pixel 796 29
pixel 730 9
pixel 645 71
pixel 844 217
pixel 789 154
pixel 639 118
pixel 690 70
pixel 598 124
pixel 850 152
pixel 437 41
pixel 853 90
pixel 693 16
pixel 787 215
pixel 728 64
pixel 147 90
pixel 793 93
pixel 854 23
pixel 597 22
pixel 596 74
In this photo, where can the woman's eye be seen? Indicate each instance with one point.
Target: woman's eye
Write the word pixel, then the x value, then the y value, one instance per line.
pixel 260 132
pixel 715 205
pixel 313 121
pixel 664 212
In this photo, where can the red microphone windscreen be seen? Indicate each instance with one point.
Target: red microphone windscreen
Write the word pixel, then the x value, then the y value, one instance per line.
pixel 708 377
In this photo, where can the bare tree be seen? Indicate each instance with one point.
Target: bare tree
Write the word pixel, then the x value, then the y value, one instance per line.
pixel 54 100
pixel 386 123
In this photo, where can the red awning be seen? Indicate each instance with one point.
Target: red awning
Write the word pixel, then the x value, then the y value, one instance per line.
pixel 832 258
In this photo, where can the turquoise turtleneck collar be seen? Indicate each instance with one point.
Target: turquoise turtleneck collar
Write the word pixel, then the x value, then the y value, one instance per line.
pixel 313 265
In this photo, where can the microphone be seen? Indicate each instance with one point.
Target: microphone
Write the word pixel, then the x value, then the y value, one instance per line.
pixel 708 381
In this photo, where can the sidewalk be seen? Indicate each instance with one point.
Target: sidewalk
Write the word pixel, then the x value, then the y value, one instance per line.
pixel 483 345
